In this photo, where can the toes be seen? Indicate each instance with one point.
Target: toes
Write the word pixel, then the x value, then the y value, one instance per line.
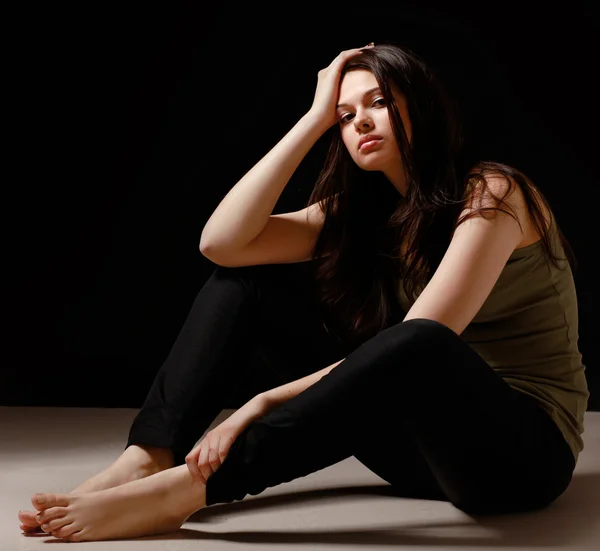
pixel 44 501
pixel 30 529
pixel 77 536
pixel 56 524
pixel 44 517
pixel 28 518
pixel 65 532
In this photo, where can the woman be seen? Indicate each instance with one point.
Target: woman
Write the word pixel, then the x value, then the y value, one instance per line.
pixel 420 312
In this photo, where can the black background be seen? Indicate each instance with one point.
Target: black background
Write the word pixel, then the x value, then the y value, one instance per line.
pixel 130 122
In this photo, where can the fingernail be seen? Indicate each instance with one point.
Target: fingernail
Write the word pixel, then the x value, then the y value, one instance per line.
pixel 41 498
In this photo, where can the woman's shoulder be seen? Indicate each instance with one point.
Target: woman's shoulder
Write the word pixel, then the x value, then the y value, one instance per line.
pixel 495 189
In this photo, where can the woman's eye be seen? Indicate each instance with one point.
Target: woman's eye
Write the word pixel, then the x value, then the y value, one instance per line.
pixel 347 117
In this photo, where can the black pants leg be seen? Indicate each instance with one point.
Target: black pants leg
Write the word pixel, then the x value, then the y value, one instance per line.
pixel 257 315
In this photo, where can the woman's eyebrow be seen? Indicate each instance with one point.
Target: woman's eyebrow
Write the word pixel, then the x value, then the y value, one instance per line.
pixel 376 89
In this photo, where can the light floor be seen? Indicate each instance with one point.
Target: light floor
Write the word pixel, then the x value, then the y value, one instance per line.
pixel 54 449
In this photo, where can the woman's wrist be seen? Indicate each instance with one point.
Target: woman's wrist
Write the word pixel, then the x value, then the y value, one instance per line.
pixel 316 121
pixel 261 402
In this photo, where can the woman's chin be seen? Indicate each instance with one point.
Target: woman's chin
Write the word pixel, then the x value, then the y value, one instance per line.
pixel 370 166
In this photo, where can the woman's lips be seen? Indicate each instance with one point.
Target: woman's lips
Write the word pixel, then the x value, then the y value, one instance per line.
pixel 370 144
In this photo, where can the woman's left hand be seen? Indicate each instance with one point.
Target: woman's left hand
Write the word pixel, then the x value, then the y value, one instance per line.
pixel 204 459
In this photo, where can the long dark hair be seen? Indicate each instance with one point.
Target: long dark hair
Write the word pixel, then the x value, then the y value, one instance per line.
pixel 357 256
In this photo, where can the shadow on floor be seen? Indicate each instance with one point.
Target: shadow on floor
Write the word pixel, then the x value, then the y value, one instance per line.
pixel 572 517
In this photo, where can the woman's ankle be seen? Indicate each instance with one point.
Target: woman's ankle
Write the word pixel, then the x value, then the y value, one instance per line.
pixel 149 457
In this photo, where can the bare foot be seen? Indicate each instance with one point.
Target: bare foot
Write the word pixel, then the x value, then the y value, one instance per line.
pixel 134 463
pixel 157 504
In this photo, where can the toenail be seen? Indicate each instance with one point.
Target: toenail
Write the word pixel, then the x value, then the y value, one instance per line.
pixel 41 498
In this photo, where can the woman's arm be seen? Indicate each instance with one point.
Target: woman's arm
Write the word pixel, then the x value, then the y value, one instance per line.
pixel 279 395
pixel 245 210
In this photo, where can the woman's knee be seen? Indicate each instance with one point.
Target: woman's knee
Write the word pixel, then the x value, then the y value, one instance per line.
pixel 280 280
pixel 222 273
pixel 420 335
pixel 252 280
pixel 430 328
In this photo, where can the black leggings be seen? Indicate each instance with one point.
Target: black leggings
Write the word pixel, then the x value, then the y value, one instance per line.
pixel 415 404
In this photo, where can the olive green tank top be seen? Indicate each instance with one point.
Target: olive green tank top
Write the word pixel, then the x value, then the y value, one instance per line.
pixel 527 330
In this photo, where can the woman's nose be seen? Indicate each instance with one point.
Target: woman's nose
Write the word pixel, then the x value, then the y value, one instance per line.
pixel 362 122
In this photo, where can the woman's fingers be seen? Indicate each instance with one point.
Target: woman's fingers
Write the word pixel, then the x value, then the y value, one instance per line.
pixel 203 464
pixel 213 455
pixel 191 460
pixel 358 50
pixel 225 447
pixel 344 55
pixel 204 460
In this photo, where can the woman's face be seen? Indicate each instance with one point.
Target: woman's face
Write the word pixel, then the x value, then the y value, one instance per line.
pixel 362 114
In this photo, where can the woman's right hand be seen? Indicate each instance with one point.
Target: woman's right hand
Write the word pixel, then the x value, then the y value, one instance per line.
pixel 328 81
